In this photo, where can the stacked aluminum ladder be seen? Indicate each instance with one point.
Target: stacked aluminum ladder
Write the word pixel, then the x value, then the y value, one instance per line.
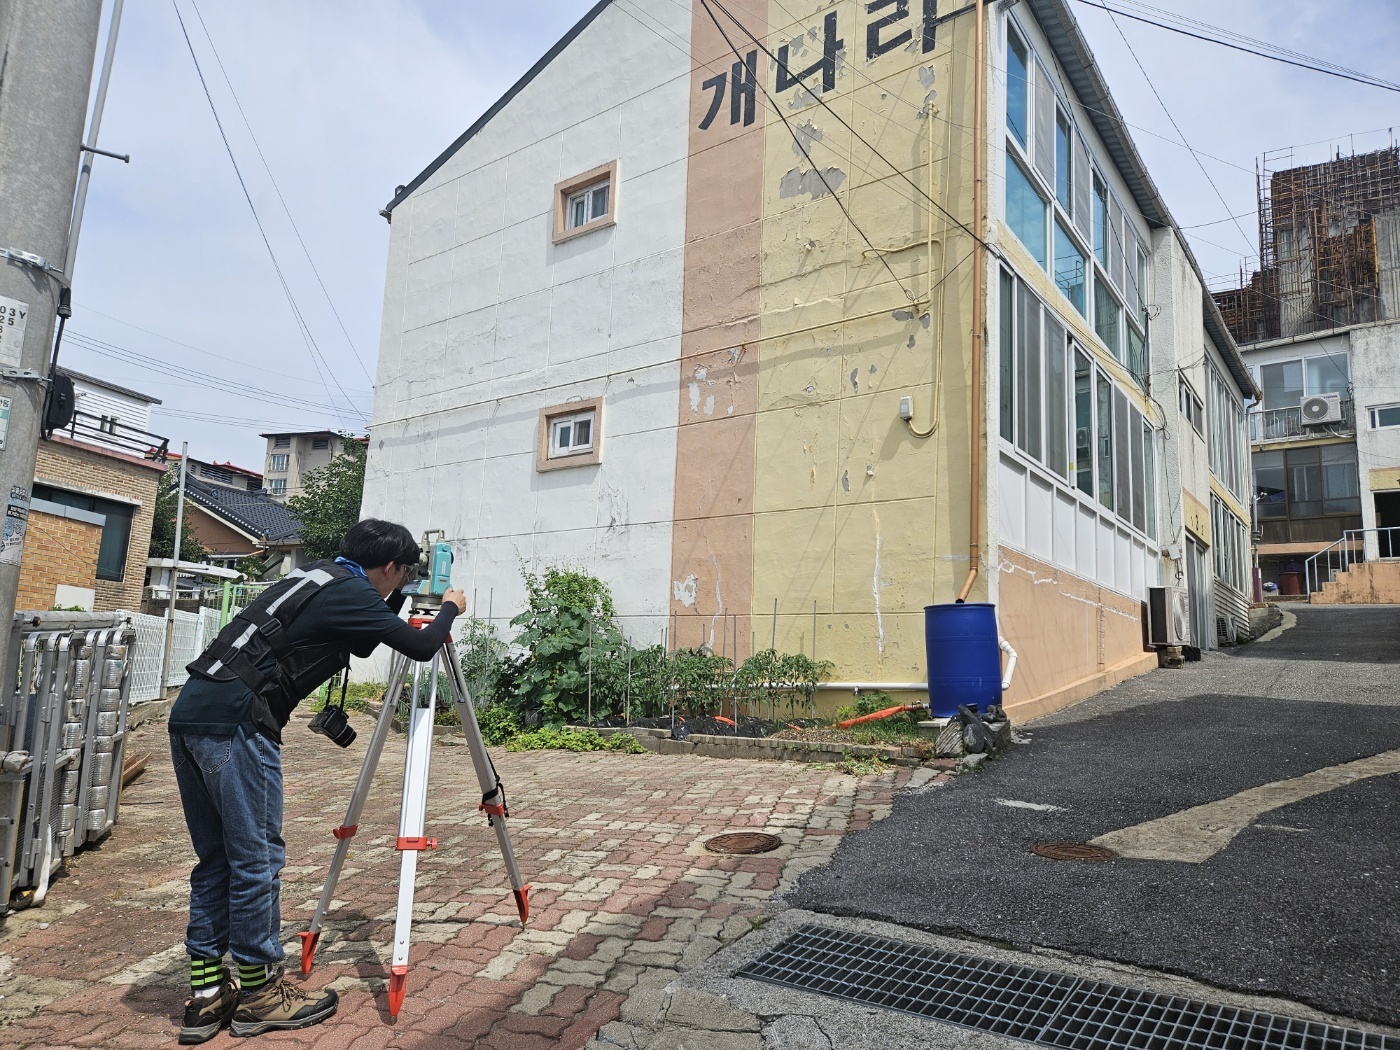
pixel 63 716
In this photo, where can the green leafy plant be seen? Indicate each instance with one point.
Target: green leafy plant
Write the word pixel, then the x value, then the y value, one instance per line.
pixel 574 740
pixel 482 654
pixel 163 523
pixel 701 681
pixel 568 632
pixel 498 723
pixel 861 765
pixel 330 501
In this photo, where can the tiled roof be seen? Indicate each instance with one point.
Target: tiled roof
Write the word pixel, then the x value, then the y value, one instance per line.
pixel 254 512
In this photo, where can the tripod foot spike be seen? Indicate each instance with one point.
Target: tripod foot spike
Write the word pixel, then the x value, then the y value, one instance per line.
pixel 522 903
pixel 398 977
pixel 308 949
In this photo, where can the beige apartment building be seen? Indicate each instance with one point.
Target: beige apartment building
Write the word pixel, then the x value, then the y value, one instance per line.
pixel 291 456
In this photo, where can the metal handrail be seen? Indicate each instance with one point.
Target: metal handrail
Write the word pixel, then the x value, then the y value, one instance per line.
pixel 1280 424
pixel 108 430
pixel 1346 552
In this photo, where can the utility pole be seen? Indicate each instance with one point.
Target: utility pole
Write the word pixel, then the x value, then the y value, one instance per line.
pixel 47 48
pixel 174 572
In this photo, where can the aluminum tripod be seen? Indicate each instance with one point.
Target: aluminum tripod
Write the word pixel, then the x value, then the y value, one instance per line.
pixel 423 686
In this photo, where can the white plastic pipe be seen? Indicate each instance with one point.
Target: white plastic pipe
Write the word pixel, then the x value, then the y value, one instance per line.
pixel 1010 664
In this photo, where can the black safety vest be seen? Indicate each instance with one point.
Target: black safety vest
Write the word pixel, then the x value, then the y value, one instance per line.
pixel 261 629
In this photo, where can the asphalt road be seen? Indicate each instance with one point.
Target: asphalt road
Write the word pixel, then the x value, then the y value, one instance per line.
pixel 1304 903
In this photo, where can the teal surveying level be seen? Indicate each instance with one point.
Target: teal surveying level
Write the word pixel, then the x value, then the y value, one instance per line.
pixel 426 591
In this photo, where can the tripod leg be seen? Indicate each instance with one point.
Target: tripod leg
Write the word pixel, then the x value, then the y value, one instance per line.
pixel 411 821
pixel 397 670
pixel 493 797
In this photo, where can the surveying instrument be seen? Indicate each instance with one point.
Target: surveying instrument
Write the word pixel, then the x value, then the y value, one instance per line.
pixel 426 591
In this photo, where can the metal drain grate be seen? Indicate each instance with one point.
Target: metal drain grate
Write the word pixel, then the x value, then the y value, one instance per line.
pixel 1052 1009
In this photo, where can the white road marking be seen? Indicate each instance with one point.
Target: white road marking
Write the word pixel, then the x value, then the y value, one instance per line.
pixel 1042 807
pixel 1197 834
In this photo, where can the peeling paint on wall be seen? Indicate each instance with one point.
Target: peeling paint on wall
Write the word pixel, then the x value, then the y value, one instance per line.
pixel 684 590
pixel 875 586
pixel 803 180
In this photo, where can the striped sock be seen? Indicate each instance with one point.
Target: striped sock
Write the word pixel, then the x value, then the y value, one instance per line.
pixel 206 975
pixel 252 977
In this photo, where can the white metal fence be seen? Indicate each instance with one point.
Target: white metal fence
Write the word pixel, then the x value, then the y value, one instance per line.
pixel 193 631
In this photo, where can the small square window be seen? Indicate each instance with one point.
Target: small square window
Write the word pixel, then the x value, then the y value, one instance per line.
pixel 320 444
pixel 284 441
pixel 277 486
pixel 570 435
pixel 278 461
pixel 585 202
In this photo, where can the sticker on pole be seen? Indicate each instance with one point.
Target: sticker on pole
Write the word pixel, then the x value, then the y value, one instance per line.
pixel 13 315
pixel 16 522
pixel 5 405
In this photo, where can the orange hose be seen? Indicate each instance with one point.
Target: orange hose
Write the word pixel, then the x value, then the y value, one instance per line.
pixel 886 713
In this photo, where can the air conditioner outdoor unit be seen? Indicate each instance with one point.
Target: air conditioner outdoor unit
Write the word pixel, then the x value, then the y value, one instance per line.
pixel 1322 408
pixel 1169 614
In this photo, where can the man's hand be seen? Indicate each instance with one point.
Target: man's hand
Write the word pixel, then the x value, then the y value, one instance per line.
pixel 456 597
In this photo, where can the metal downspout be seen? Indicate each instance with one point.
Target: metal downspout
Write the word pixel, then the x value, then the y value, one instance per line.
pixel 974 440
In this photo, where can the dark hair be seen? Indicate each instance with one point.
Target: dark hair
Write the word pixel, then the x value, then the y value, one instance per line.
pixel 373 543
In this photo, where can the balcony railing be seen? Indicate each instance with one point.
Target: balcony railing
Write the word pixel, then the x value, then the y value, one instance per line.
pixel 111 433
pixel 1281 424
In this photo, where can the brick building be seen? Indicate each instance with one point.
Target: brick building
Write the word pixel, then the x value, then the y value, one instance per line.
pixel 93 502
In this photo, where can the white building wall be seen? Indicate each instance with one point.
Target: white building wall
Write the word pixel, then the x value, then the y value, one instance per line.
pixel 486 322
pixel 1375 381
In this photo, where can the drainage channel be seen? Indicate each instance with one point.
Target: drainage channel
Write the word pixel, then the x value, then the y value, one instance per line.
pixel 1038 1006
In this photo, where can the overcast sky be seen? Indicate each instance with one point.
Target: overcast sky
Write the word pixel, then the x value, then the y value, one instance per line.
pixel 351 98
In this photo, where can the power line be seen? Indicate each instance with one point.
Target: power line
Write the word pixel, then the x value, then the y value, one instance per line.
pixel 198 349
pixel 316 356
pixel 1158 95
pixel 305 250
pixel 199 378
pixel 1274 52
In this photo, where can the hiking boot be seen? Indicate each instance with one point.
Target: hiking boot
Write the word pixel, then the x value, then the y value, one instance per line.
pixel 280 1005
pixel 205 1016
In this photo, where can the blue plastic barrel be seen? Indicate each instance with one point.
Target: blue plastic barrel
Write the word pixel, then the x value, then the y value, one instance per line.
pixel 964 658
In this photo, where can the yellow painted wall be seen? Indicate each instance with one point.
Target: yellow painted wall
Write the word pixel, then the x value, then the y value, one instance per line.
pixel 852 511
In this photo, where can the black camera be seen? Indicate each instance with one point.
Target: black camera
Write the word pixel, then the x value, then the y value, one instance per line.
pixel 332 723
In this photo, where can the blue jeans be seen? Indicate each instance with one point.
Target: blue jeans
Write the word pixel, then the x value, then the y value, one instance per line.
pixel 231 791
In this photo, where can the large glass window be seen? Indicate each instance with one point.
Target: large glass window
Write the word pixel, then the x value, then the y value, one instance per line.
pixel 1056 433
pixel 1270 485
pixel 1307 482
pixel 1341 486
pixel 1139 486
pixel 1328 374
pixel 1100 221
pixel 1137 356
pixel 1105 441
pixel 1304 483
pixel 1122 454
pixel 1008 356
pixel 1069 268
pixel 1083 423
pixel 1282 383
pixel 1029 404
pixel 1025 210
pixel 1017 87
pixel 1149 471
pixel 1064 164
pixel 1108 317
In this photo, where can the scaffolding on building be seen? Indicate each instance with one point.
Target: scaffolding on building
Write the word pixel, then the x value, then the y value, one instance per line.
pixel 1329 245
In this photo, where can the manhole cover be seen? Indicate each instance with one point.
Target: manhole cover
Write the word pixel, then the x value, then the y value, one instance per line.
pixel 1072 851
pixel 740 842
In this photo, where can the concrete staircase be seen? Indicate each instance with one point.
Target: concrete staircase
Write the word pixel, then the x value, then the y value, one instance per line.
pixel 1365 583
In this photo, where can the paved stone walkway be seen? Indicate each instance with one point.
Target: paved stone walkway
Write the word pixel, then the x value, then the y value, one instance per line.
pixel 625 896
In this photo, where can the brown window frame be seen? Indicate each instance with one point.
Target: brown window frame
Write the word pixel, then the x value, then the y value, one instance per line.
pixel 566 189
pixel 544 461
